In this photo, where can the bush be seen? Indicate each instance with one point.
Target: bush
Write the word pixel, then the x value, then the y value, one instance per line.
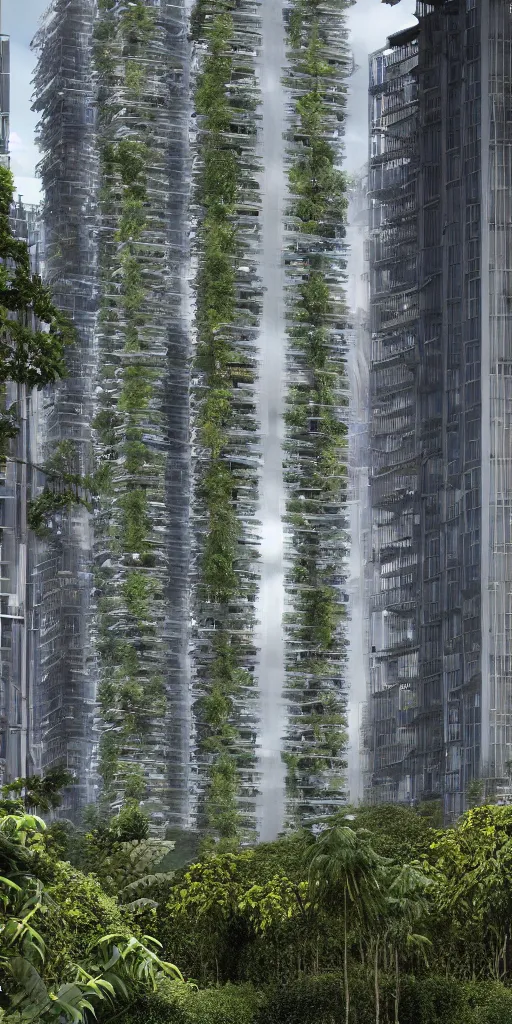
pixel 397 832
pixel 231 1004
pixel 171 1004
pixel 309 1001
pixel 321 1000
pixel 490 1004
pixel 78 913
pixel 433 1001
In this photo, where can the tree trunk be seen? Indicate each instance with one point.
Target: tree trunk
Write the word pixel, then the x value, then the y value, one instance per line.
pixel 345 959
pixel 397 987
pixel 376 975
pixel 503 970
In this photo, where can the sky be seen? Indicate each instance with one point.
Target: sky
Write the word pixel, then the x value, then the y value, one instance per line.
pixel 20 19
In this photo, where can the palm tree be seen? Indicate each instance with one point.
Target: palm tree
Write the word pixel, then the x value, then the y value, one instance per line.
pixel 342 860
pixel 406 911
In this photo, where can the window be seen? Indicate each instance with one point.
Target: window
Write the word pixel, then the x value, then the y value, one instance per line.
pixel 473 220
pixel 473 298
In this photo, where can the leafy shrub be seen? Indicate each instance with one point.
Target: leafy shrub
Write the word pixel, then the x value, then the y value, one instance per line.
pixel 396 831
pixel 433 1000
pixel 231 1004
pixel 78 913
pixel 495 1007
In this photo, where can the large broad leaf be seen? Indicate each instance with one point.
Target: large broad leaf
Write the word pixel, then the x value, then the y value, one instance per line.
pixel 117 983
pixel 137 904
pixel 144 882
pixel 72 1000
pixel 33 995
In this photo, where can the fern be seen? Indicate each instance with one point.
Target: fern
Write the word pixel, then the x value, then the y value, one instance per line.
pixel 132 867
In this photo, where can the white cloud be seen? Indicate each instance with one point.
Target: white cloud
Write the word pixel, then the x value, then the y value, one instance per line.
pixel 15 143
pixel 28 187
pixel 24 152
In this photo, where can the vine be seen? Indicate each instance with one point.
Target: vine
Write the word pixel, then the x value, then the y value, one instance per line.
pixel 227 310
pixel 315 460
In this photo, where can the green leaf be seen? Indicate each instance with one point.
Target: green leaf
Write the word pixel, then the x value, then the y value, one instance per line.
pixel 33 995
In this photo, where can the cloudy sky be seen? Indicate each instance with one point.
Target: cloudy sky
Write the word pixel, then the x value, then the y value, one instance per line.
pixel 20 20
pixel 370 20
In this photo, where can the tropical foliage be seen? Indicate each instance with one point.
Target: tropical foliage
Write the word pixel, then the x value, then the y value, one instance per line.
pixel 66 952
pixel 315 927
pixel 33 333
pixel 33 339
pixel 321 928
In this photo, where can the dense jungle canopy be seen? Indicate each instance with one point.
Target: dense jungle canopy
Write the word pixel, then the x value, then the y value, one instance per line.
pixel 373 916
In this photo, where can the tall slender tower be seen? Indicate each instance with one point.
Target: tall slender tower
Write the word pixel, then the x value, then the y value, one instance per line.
pixel 141 408
pixel 441 143
pixel 315 469
pixel 68 169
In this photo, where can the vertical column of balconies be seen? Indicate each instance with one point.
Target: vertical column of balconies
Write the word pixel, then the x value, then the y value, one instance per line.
pixel 316 475
pixel 395 458
pixel 225 437
pixel 141 423
pixel 68 171
pixel 430 384
pixel 496 277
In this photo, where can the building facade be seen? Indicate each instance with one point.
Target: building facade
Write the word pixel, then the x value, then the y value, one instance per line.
pixel 20 707
pixel 110 89
pixel 68 170
pixel 141 426
pixel 147 641
pixel 439 723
